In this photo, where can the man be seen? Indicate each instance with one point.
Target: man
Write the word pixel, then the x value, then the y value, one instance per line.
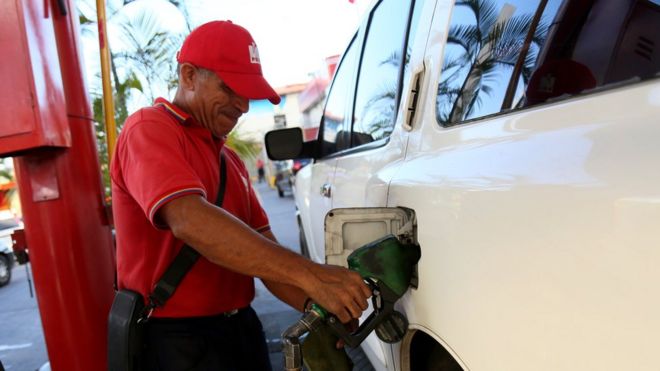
pixel 165 178
pixel 260 170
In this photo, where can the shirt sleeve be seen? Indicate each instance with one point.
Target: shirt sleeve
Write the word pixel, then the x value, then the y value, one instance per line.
pixel 154 166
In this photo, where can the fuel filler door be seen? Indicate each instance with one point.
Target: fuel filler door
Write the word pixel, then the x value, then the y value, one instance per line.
pixel 347 229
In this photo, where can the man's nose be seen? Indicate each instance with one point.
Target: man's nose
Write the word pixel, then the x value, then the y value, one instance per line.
pixel 241 103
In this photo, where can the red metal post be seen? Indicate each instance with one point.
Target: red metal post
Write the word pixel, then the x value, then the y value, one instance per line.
pixel 68 234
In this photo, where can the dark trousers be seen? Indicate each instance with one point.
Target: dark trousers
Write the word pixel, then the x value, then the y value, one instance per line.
pixel 218 343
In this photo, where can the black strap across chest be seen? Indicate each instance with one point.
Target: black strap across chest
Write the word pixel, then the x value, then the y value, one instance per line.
pixel 186 257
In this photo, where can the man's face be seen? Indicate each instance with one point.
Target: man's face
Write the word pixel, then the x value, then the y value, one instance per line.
pixel 215 105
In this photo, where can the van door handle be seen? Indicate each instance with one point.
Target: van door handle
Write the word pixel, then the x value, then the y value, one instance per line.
pixel 326 190
pixel 413 97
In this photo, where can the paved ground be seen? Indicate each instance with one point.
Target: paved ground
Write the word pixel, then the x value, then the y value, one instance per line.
pixel 22 345
pixel 275 315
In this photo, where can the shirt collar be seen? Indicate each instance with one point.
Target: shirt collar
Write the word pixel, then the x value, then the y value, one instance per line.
pixel 173 110
pixel 184 118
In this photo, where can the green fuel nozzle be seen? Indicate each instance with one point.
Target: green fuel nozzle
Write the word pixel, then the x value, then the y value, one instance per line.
pixel 387 265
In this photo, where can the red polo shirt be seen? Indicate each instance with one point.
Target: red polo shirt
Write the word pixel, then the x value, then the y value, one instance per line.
pixel 163 154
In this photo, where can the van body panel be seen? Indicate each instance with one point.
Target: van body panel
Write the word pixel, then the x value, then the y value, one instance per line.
pixel 539 234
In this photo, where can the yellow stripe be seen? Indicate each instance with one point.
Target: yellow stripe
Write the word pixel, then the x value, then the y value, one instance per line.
pixel 172 111
pixel 164 198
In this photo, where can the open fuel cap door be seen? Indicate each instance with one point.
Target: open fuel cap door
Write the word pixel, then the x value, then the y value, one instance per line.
pixel 349 228
pixel 352 228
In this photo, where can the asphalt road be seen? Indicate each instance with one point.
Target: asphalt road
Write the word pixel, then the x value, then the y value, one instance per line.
pixel 22 344
pixel 274 314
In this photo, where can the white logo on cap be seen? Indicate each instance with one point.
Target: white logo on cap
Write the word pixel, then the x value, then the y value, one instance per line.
pixel 254 53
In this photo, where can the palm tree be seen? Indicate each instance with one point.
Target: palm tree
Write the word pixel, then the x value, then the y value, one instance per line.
pixel 181 5
pixel 495 40
pixel 88 25
pixel 246 149
pixel 142 66
pixel 149 51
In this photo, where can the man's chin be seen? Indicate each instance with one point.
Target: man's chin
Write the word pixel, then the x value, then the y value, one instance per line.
pixel 228 122
pixel 221 133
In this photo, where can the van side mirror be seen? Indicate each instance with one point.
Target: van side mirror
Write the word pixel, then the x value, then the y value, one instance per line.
pixel 287 144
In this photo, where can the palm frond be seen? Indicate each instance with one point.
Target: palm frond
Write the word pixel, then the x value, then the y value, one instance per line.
pixel 149 52
pixel 393 59
pixel 6 174
pixel 246 149
pixel 463 35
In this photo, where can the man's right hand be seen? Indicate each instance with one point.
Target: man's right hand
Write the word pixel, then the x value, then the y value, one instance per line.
pixel 340 291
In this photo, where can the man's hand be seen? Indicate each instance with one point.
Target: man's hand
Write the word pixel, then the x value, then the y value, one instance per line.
pixel 340 291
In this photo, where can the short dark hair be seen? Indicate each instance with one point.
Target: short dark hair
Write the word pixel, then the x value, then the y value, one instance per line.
pixel 204 71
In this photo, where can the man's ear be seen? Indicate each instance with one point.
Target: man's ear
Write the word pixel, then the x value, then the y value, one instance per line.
pixel 187 76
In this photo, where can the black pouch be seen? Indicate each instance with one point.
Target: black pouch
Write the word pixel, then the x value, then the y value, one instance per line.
pixel 125 333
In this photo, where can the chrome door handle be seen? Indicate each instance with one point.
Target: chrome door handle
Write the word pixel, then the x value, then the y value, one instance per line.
pixel 326 190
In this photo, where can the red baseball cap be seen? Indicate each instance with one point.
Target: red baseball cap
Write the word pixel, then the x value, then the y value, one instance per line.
pixel 228 50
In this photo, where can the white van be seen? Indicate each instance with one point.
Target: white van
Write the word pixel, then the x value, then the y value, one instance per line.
pixel 522 140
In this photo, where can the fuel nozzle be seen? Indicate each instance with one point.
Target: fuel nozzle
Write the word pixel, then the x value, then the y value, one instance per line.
pixel 387 266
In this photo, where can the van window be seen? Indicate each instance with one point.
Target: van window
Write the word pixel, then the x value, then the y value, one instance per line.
pixel 596 43
pixel 484 43
pixel 335 121
pixel 503 55
pixel 378 81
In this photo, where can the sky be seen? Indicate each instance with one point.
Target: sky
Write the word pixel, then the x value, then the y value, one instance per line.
pixel 293 36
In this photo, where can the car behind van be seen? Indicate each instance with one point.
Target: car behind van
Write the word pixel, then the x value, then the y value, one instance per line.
pixel 519 142
pixel 8 223
pixel 283 177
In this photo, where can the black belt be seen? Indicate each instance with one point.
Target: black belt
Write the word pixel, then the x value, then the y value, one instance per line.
pixel 227 314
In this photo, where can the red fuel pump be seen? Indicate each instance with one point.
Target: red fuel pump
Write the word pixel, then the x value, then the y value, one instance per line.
pixel 47 127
